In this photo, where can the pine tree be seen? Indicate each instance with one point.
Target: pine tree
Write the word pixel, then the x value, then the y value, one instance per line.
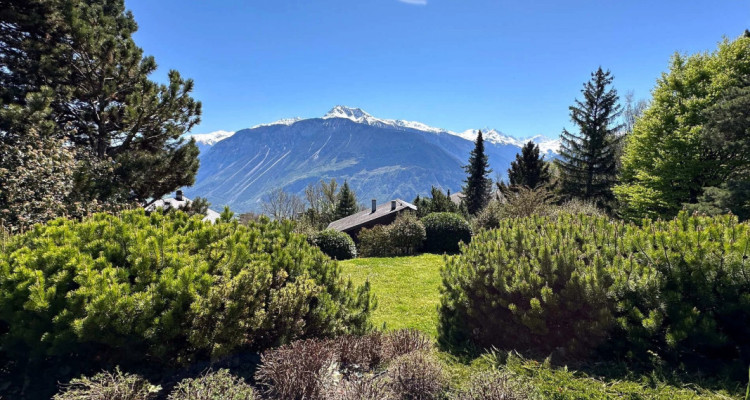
pixel 588 158
pixel 478 184
pixel 440 202
pixel 529 169
pixel 347 202
pixel 125 128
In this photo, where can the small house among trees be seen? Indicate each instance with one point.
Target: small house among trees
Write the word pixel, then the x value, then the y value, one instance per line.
pixel 377 215
pixel 180 202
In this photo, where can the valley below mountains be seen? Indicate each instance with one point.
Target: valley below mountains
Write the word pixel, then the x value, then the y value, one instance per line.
pixel 381 159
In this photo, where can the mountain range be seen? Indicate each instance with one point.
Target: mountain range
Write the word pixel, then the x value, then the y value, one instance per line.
pixel 380 158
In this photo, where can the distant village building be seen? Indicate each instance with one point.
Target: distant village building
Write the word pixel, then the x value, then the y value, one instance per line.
pixel 177 202
pixel 376 215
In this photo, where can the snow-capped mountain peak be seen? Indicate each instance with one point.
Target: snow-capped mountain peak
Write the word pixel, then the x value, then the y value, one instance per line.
pixel 362 117
pixel 354 114
pixel 210 139
pixel 285 121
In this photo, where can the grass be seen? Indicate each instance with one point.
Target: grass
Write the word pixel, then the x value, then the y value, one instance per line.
pixel 407 289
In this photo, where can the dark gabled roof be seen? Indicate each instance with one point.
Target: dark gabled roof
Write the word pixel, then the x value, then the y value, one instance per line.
pixel 363 217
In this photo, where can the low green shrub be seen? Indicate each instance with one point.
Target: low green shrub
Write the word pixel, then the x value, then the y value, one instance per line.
pixel 537 284
pixel 109 386
pixel 375 242
pixel 445 231
pixel 489 217
pixel 690 304
pixel 522 202
pixel 669 291
pixel 406 234
pixel 337 245
pixel 213 386
pixel 167 288
pixel 403 237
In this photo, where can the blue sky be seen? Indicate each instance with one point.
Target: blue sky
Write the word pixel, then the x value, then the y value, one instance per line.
pixel 457 64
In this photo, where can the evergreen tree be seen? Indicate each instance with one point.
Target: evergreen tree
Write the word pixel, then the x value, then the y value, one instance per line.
pixel 125 129
pixel 588 158
pixel 36 168
pixel 529 169
pixel 478 187
pixel 347 202
pixel 439 202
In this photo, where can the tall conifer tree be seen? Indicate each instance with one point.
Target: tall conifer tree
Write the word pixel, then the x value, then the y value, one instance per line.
pixel 528 169
pixel 478 187
pixel 588 157
pixel 125 129
pixel 347 202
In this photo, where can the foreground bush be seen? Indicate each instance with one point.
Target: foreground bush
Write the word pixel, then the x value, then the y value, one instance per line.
pixel 691 303
pixel 417 376
pixel 327 368
pixel 167 288
pixel 444 232
pixel 675 290
pixel 337 245
pixel 109 386
pixel 298 370
pixel 536 284
pixel 220 385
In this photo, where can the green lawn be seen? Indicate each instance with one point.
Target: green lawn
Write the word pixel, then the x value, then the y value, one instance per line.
pixel 407 289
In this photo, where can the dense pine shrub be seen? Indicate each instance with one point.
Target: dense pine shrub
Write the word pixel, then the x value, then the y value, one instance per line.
pixel 445 231
pixel 337 245
pixel 676 290
pixel 537 284
pixel 691 302
pixel 168 288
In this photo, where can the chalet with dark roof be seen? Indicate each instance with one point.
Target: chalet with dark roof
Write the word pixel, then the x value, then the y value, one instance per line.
pixel 376 215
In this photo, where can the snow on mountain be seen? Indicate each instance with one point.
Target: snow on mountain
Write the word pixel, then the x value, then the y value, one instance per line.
pixel 490 135
pixel 381 159
pixel 210 139
pixel 285 121
pixel 361 117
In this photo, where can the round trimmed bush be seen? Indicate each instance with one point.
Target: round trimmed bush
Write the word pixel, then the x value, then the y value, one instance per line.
pixel 407 234
pixel 445 231
pixel 537 284
pixel 335 244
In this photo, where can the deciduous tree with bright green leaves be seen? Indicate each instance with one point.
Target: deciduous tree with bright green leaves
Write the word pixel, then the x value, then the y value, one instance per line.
pixel 669 158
